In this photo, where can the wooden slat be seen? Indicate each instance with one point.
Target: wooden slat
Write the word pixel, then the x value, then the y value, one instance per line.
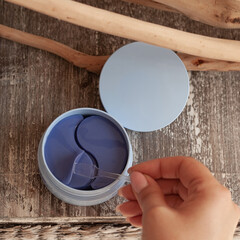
pixel 90 231
pixel 62 220
pixel 69 231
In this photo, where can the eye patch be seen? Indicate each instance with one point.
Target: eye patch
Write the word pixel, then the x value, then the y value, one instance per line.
pixel 92 140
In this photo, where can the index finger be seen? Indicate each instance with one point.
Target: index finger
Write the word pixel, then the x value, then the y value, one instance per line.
pixel 186 169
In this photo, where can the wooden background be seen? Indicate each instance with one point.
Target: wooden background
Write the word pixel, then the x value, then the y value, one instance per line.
pixel 36 87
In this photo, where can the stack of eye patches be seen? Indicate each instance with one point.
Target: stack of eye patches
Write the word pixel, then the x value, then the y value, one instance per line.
pixel 85 139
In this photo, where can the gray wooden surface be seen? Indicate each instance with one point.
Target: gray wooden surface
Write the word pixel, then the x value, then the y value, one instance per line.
pixel 36 87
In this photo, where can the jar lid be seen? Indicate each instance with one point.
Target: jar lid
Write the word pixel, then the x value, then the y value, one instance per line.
pixel 144 87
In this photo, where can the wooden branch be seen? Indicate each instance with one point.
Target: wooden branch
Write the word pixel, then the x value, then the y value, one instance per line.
pixel 224 14
pixel 153 4
pixel 194 63
pixel 91 63
pixel 127 27
pixel 95 63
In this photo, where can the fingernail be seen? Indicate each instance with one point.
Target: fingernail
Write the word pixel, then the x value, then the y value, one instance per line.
pixel 129 170
pixel 138 181
pixel 118 208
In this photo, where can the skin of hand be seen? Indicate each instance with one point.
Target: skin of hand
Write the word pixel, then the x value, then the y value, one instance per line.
pixel 177 198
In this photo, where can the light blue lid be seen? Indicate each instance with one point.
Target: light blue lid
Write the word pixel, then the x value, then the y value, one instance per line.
pixel 144 87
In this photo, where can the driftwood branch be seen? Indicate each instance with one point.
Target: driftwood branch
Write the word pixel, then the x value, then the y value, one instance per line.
pixel 95 63
pixel 194 63
pixel 127 27
pixel 91 63
pixel 224 14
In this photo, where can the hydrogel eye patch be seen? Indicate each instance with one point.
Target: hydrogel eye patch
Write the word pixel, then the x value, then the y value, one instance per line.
pixel 105 142
pixel 93 140
pixel 61 150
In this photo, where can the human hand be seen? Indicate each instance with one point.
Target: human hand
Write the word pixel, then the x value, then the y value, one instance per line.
pixel 177 198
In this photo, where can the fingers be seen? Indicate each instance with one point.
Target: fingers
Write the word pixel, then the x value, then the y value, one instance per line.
pixel 127 192
pixel 168 187
pixel 147 192
pixel 132 211
pixel 184 168
pixel 129 209
pixel 135 221
pixel 132 208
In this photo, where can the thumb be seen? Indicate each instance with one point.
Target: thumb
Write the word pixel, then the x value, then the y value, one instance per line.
pixel 147 191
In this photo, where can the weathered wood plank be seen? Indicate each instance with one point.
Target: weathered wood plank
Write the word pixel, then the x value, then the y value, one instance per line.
pixel 63 220
pixel 75 231
pixel 35 87
pixel 69 231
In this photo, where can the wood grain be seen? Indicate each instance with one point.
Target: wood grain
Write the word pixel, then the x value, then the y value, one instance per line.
pixel 72 230
pixel 36 87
